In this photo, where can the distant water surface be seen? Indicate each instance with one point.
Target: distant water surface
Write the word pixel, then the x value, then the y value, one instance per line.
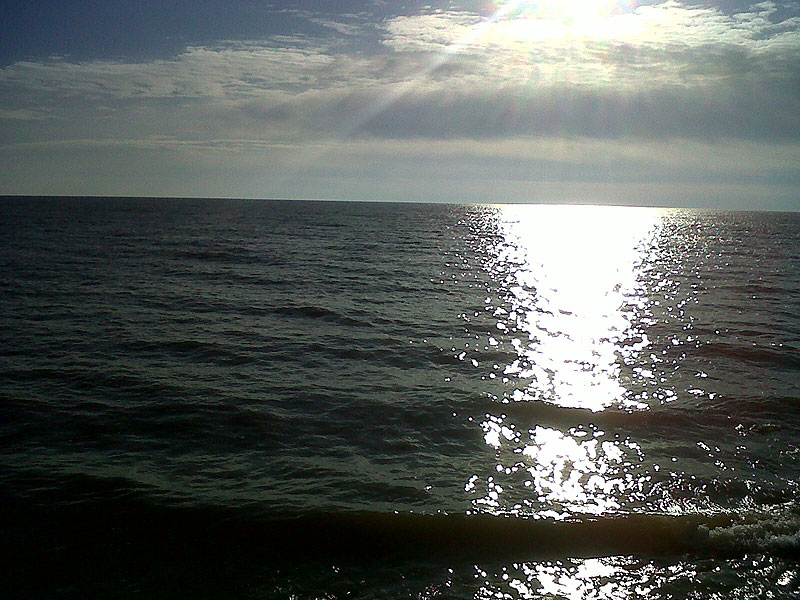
pixel 217 398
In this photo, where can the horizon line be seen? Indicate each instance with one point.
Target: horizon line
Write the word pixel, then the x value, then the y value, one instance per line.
pixel 390 201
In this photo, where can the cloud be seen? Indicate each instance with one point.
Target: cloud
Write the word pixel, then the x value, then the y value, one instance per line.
pixel 661 69
pixel 667 43
pixel 665 92
pixel 455 170
pixel 227 70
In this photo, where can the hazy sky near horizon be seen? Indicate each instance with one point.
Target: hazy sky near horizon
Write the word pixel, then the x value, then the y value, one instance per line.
pixel 649 102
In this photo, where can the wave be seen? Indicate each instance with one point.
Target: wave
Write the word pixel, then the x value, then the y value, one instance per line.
pixel 489 537
pixel 784 358
pixel 756 415
pixel 773 531
pixel 220 255
pixel 85 506
pixel 321 313
pixel 552 415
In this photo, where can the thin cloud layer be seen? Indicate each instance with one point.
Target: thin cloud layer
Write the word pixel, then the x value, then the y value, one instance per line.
pixel 529 75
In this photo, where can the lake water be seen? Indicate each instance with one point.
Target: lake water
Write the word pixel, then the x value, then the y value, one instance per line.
pixel 268 399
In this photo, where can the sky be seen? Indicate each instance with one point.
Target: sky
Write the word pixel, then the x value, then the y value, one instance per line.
pixel 677 103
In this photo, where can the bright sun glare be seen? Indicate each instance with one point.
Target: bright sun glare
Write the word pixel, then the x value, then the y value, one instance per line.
pixel 568 303
pixel 523 21
pixel 571 9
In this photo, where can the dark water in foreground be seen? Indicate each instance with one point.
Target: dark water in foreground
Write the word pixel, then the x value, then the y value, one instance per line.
pixel 234 399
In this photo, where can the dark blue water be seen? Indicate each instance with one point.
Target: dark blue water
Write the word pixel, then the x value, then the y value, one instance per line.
pixel 208 398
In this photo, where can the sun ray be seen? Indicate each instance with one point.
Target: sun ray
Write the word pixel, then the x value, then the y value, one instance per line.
pixel 515 24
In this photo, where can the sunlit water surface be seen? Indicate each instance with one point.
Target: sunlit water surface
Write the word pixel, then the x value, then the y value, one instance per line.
pixel 286 399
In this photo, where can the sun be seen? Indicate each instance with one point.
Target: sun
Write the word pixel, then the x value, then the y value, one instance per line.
pixel 521 22
pixel 569 10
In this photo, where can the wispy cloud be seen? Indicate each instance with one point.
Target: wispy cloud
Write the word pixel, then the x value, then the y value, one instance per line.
pixel 227 70
pixel 616 95
pixel 667 43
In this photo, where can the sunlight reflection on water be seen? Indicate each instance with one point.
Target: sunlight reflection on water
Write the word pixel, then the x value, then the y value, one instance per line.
pixel 578 269
pixel 574 579
pixel 574 277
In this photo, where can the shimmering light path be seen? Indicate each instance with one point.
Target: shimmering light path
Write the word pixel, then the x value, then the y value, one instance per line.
pixel 578 273
pixel 570 278
pixel 597 323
